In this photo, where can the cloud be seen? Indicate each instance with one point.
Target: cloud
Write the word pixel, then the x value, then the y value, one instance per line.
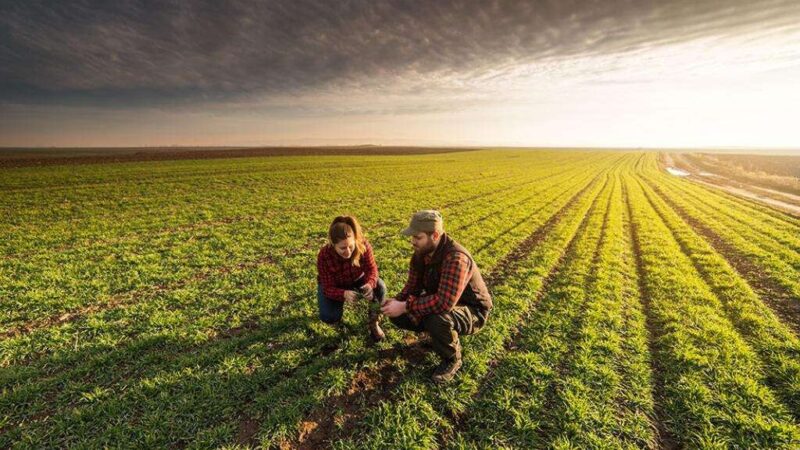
pixel 140 53
pixel 612 72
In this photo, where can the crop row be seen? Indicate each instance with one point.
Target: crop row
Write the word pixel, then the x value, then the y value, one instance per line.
pixel 711 387
pixel 246 290
pixel 418 413
pixel 39 287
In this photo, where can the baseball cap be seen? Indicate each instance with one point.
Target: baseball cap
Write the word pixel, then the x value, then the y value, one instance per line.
pixel 427 221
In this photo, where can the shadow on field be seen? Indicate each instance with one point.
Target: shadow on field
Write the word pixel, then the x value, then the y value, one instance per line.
pixel 168 390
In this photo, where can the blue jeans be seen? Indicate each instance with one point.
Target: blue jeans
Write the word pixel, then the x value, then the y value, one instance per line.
pixel 330 311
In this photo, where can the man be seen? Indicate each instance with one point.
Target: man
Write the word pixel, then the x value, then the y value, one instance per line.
pixel 445 294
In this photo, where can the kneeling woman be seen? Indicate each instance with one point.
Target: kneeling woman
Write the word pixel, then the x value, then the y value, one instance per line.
pixel 346 266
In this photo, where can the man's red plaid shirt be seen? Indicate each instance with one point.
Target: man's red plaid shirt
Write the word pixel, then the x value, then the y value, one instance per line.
pixel 452 282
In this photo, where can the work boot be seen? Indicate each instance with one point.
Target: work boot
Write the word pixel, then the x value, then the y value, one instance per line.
pixel 446 370
pixel 375 330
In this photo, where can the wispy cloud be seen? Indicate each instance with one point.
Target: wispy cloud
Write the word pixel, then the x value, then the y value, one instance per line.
pixel 212 50
pixel 287 60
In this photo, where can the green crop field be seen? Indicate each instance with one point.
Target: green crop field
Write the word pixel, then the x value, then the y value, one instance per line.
pixel 173 304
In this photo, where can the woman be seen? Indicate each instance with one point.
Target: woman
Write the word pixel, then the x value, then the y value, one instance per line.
pixel 346 266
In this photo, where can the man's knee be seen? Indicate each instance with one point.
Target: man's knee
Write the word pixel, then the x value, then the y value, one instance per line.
pixel 443 334
pixel 441 329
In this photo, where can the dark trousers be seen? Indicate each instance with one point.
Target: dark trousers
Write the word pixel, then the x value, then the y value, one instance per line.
pixel 445 328
pixel 330 311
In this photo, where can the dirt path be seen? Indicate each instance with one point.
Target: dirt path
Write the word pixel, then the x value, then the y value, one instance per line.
pixel 790 205
pixel 752 194
pixel 792 198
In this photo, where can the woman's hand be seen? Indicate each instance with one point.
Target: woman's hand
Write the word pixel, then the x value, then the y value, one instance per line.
pixel 350 296
pixel 367 291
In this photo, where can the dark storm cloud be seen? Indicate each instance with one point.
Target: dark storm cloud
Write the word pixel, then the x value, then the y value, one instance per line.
pixel 155 52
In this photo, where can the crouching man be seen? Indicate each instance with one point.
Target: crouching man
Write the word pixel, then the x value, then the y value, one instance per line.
pixel 445 294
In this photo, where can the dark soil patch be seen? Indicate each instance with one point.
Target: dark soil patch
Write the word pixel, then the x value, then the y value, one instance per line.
pixel 248 428
pixel 338 417
pixel 20 158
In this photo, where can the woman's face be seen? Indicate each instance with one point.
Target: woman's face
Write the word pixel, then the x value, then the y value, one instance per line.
pixel 345 247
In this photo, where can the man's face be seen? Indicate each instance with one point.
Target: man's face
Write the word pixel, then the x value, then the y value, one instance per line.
pixel 424 243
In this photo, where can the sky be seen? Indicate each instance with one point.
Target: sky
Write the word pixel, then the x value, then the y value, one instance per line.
pixel 554 73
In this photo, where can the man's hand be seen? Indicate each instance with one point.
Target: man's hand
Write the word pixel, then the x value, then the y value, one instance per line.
pixel 367 291
pixel 393 308
pixel 350 296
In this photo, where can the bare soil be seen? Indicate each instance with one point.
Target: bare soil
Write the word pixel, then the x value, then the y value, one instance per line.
pixel 784 201
pixel 10 158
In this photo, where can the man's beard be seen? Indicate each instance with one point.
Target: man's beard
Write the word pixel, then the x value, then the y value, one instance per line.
pixel 422 251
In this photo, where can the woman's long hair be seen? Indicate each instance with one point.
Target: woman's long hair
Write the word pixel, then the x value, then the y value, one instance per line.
pixel 344 227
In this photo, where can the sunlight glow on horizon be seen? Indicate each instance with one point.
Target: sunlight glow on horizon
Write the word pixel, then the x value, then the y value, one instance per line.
pixel 740 91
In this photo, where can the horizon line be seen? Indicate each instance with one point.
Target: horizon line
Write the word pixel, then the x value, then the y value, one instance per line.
pixel 487 147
